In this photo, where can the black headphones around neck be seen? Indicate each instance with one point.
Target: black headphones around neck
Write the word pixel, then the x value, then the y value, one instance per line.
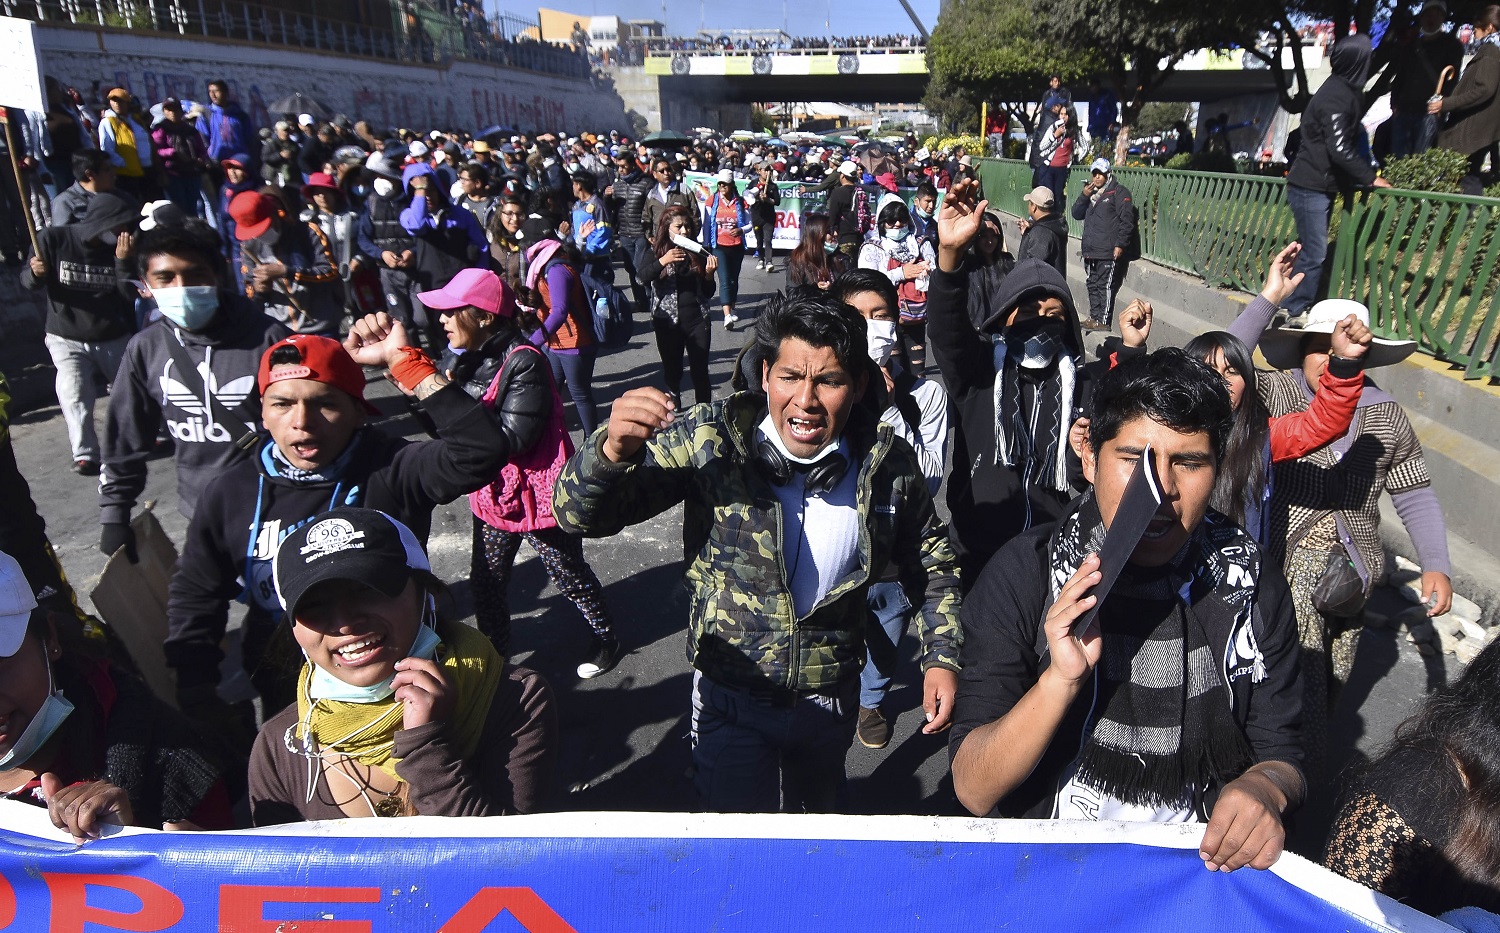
pixel 819 477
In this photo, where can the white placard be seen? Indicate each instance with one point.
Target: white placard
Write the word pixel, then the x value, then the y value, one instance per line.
pixel 20 66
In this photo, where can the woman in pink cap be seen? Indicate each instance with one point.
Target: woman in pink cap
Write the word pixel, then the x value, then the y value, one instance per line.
pixel 490 358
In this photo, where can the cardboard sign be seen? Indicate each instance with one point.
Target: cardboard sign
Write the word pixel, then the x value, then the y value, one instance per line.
pixel 20 66
pixel 132 600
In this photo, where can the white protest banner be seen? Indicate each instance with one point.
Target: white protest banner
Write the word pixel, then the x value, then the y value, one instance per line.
pixel 20 66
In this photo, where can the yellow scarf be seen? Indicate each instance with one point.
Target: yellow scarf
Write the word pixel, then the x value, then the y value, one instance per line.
pixel 366 732
pixel 126 148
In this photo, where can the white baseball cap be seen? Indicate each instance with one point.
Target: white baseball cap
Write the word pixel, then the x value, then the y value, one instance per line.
pixel 1041 196
pixel 848 168
pixel 418 148
pixel 16 604
pixel 725 176
pixel 1100 165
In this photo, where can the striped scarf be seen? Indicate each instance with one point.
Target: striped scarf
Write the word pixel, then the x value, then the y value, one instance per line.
pixel 1162 725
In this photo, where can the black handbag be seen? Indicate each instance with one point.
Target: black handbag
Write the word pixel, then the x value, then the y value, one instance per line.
pixel 1340 590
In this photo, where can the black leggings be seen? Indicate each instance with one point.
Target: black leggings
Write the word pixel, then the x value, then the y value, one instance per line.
pixel 690 333
pixel 765 235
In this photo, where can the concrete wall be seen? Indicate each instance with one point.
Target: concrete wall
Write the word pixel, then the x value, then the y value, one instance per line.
pixel 706 106
pixel 465 95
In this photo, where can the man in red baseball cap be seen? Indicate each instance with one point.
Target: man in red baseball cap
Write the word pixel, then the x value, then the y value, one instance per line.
pixel 316 452
pixel 286 265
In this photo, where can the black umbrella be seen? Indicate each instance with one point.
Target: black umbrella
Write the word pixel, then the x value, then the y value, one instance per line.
pixel 667 138
pixel 300 103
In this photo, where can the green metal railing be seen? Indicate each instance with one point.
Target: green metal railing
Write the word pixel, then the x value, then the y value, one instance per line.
pixel 1423 263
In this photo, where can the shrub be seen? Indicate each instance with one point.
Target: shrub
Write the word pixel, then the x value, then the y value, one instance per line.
pixel 1438 170
pixel 1180 161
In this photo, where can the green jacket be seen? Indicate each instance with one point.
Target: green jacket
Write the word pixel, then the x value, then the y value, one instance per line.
pixel 744 631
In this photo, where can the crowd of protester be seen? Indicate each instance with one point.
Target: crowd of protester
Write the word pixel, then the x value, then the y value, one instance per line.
pixel 233 287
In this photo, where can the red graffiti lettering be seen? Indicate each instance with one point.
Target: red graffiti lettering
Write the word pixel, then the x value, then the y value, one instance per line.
pixel 522 903
pixel 71 913
pixel 242 908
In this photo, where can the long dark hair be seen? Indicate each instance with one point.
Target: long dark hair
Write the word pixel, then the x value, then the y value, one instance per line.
pixel 1460 725
pixel 1242 474
pixel 663 242
pixel 809 260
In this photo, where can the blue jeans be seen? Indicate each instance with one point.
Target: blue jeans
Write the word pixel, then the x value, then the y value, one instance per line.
pixel 745 749
pixel 1409 134
pixel 577 371
pixel 890 610
pixel 730 260
pixel 1312 210
pixel 1057 180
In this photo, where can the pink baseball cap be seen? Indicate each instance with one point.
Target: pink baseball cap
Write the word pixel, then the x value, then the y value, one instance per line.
pixel 479 288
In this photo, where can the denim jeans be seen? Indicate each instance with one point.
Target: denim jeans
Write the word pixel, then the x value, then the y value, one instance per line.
pixel 746 748
pixel 730 260
pixel 1409 135
pixel 1312 210
pixel 76 362
pixel 1057 180
pixel 890 611
pixel 577 370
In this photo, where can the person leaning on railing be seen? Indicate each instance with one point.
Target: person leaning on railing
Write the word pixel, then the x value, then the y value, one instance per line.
pixel 1474 126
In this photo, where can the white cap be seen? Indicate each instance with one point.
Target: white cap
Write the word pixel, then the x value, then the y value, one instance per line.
pixel 1100 165
pixel 418 148
pixel 305 120
pixel 848 168
pixel 1041 196
pixel 435 134
pixel 16 603
pixel 724 176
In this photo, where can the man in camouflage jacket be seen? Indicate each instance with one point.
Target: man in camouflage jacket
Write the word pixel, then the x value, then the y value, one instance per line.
pixel 781 550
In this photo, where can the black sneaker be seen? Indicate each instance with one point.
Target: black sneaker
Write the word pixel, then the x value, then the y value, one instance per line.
pixel 86 467
pixel 604 654
pixel 873 729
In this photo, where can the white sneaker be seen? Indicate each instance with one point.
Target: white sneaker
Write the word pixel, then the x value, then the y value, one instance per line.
pixel 760 263
pixel 770 268
pixel 730 320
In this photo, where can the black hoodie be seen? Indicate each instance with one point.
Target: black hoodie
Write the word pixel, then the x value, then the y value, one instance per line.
pixel 989 501
pixel 89 293
pixel 1046 239
pixel 1329 160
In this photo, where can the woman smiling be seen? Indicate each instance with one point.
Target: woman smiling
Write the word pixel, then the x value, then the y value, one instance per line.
pixel 397 713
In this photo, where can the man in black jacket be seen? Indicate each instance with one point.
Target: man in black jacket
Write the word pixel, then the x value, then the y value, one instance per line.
pixel 1111 239
pixel 844 222
pixel 1044 232
pixel 1009 472
pixel 1328 163
pixel 85 268
pixel 316 452
pixel 1181 699
pixel 193 369
pixel 627 204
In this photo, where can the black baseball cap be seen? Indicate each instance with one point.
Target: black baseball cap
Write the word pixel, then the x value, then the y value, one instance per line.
pixel 363 545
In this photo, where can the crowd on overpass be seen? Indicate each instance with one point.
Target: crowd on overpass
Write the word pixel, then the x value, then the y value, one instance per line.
pixel 235 290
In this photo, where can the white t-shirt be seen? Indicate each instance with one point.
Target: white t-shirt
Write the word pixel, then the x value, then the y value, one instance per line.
pixel 1079 801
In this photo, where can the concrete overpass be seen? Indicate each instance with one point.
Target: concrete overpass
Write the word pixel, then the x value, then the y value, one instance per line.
pixel 899 75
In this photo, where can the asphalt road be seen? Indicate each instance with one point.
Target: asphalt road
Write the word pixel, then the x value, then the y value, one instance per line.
pixel 625 733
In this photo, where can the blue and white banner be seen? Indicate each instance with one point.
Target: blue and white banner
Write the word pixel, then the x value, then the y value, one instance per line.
pixel 596 872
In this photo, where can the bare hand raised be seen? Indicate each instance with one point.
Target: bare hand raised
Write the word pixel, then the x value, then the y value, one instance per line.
pixel 1135 323
pixel 1281 279
pixel 957 222
pixel 633 419
pixel 1351 338
pixel 375 338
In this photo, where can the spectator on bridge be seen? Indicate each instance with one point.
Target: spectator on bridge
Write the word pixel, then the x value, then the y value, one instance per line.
pixel 1414 60
pixel 127 144
pixel 1111 240
pixel 1044 232
pixel 96 747
pixel 725 220
pixel 1328 163
pixel 93 173
pixel 1325 505
pixel 226 127
pixel 1017 396
pixel 1474 106
pixel 781 483
pixel 85 270
pixel 398 711
pixel 681 282
pixel 1179 702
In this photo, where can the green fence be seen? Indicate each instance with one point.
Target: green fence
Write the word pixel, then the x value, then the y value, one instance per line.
pixel 1424 263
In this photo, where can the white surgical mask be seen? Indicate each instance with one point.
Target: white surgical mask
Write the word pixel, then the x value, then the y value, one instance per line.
pixel 42 727
pixel 384 187
pixel 190 307
pixel 880 338
pixel 325 686
pixel 898 234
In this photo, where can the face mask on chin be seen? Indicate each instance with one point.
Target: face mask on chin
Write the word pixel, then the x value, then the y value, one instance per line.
pixel 325 686
pixel 42 727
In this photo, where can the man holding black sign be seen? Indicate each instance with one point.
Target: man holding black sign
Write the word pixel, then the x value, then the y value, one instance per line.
pixel 1182 700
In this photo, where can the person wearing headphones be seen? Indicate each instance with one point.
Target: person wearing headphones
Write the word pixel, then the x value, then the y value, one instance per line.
pixel 797 499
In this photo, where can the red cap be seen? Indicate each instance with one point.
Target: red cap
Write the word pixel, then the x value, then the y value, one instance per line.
pixel 323 360
pixel 318 180
pixel 252 213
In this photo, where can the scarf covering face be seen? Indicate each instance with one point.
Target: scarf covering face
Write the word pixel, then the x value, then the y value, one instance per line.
pixel 366 732
pixel 1162 724
pixel 1035 436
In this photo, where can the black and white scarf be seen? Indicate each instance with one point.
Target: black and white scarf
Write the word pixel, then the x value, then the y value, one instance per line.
pixel 1162 723
pixel 1036 437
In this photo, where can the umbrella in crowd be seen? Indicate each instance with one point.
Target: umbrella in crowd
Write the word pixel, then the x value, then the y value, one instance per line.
pixel 301 103
pixel 666 138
